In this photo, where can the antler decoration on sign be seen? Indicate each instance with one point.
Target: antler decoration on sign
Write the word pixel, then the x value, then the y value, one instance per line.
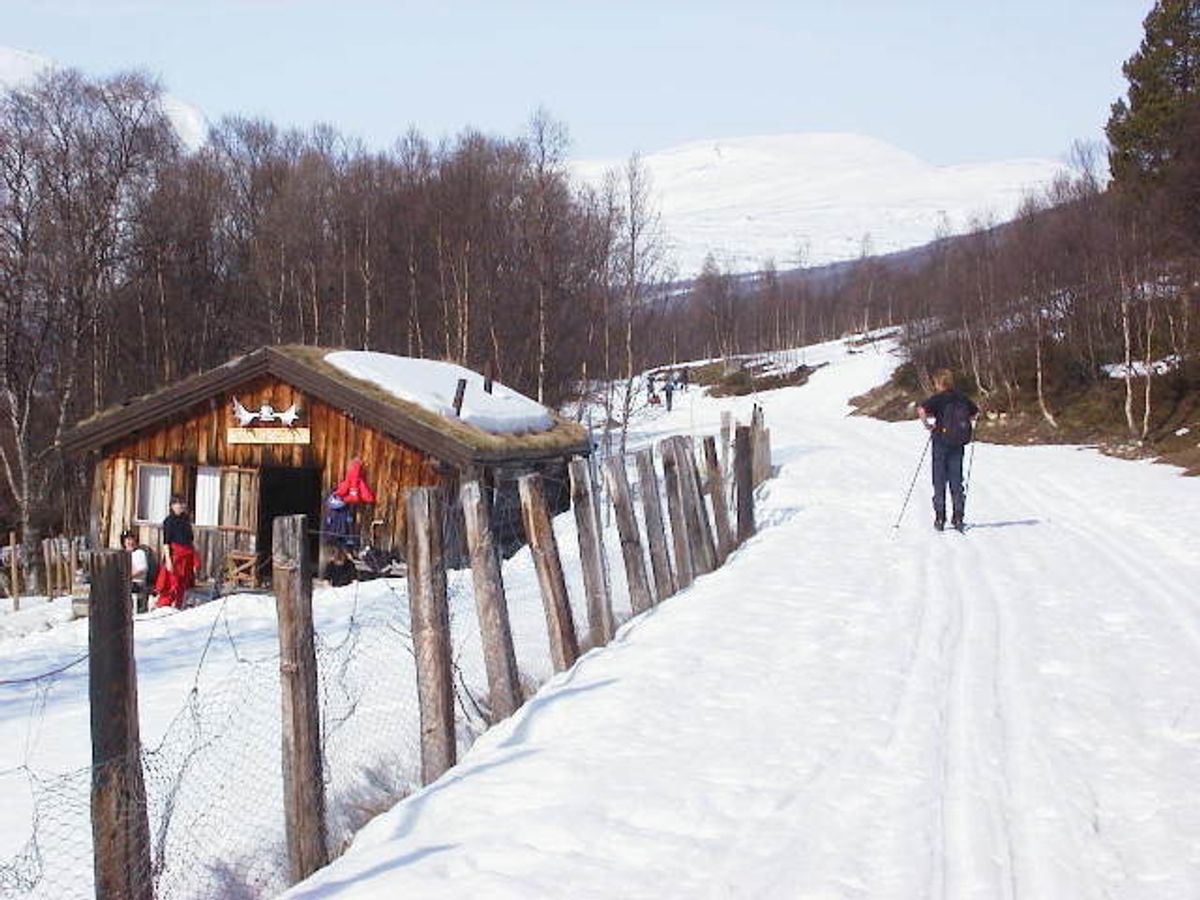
pixel 265 414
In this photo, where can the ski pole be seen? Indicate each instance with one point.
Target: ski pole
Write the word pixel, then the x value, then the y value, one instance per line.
pixel 970 465
pixel 913 484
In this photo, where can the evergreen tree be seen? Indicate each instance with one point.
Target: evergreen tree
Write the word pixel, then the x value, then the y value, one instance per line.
pixel 1146 133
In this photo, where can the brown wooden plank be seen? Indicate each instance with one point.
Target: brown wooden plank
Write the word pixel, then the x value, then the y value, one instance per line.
pixel 720 506
pixel 656 532
pixel 539 530
pixel 499 657
pixel 430 622
pixel 120 826
pixel 704 551
pixel 726 442
pixel 743 470
pixel 601 625
pixel 684 570
pixel 303 785
pixel 641 597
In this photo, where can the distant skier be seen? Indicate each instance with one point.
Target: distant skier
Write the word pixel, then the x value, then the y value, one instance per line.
pixel 669 391
pixel 949 415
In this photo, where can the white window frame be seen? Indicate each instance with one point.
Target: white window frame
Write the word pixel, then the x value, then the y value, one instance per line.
pixel 139 519
pixel 199 513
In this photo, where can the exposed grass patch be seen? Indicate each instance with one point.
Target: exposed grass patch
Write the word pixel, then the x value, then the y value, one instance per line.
pixel 1087 412
pixel 752 380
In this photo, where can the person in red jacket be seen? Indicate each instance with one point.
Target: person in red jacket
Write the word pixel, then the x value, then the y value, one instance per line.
pixel 178 570
pixel 354 488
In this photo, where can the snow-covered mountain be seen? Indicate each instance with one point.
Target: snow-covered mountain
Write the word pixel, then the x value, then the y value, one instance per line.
pixel 753 198
pixel 19 67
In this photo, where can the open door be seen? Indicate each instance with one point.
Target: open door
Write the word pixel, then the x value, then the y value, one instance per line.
pixel 288 492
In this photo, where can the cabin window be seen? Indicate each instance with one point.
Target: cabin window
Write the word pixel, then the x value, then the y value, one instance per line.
pixel 153 492
pixel 208 496
pixel 226 498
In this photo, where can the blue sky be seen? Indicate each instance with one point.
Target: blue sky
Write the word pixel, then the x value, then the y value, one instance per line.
pixel 950 80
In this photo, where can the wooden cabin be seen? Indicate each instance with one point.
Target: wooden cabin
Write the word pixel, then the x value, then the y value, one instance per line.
pixel 197 438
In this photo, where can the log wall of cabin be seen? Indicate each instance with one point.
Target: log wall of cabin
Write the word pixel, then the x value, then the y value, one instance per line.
pixel 197 437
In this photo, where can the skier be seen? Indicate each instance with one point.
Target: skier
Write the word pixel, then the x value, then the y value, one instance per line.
pixel 669 391
pixel 948 414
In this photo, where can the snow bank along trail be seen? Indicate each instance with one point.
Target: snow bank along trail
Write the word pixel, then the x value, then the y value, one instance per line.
pixel 848 710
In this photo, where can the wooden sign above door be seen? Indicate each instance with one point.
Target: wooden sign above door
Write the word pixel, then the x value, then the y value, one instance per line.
pixel 234 435
pixel 266 425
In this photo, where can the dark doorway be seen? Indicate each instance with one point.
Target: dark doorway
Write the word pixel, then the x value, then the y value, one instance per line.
pixel 289 492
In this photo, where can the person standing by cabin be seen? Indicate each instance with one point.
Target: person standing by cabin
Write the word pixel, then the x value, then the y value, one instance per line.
pixel 948 415
pixel 139 569
pixel 178 570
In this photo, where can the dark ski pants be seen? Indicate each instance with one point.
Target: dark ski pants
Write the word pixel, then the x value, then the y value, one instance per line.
pixel 947 470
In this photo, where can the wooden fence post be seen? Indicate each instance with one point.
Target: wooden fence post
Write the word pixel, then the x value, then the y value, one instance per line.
pixel 48 564
pixel 591 555
pixel 656 532
pixel 60 562
pixel 120 825
pixel 500 660
pixel 704 551
pixel 64 564
pixel 303 784
pixel 726 441
pixel 640 596
pixel 761 446
pixel 73 566
pixel 564 646
pixel 764 449
pixel 429 616
pixel 720 505
pixel 684 572
pixel 14 576
pixel 743 473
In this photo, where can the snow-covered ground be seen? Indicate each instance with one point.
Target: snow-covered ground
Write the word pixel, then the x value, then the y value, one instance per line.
pixel 848 710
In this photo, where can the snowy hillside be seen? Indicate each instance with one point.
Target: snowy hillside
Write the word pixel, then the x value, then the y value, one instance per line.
pixel 751 198
pixel 847 710
pixel 19 67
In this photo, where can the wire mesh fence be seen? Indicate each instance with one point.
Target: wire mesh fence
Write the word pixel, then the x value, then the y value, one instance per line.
pixel 214 806
pixel 213 789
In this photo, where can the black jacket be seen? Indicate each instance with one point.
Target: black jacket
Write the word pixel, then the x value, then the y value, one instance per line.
pixel 177 530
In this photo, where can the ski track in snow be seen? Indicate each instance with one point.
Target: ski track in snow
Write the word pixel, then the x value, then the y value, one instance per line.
pixel 848 710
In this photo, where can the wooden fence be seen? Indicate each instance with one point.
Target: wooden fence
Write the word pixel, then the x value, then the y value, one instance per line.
pixel 707 520
pixel 63 562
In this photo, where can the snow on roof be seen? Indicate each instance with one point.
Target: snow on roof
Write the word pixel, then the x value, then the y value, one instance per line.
pixel 431 384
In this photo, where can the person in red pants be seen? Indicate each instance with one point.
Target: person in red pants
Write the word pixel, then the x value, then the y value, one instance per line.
pixel 178 570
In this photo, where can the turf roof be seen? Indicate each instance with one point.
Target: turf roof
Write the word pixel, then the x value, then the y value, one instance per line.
pixel 305 367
